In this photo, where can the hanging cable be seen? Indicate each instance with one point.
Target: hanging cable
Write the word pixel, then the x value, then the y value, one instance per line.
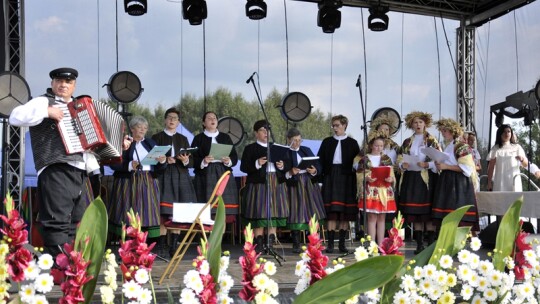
pixel 116 24
pixel 331 71
pixel 486 80
pixel 517 55
pixel 365 60
pixel 438 64
pixel 204 63
pixel 401 89
pixel 98 48
pixel 286 44
pixel 181 61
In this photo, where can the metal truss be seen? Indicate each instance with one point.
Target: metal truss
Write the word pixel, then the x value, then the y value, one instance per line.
pixel 14 175
pixel 466 81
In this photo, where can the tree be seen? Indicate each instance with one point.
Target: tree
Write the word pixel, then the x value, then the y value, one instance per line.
pixel 529 144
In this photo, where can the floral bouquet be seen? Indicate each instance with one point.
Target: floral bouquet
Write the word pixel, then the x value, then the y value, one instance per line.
pixel 137 261
pixel 18 264
pixel 257 285
pixel 200 286
pixel 107 291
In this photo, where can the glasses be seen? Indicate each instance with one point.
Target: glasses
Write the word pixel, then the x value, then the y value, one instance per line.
pixel 336 125
pixel 297 141
pixel 172 118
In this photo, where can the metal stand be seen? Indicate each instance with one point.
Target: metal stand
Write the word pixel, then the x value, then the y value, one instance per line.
pixel 267 248
pixel 364 149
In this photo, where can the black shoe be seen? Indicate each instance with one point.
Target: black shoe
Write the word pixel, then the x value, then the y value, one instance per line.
pixel 342 247
pixel 419 237
pixel 330 241
pixel 259 244
pixel 295 235
pixel 174 244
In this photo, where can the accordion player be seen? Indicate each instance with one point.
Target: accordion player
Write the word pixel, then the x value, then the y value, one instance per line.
pixel 92 125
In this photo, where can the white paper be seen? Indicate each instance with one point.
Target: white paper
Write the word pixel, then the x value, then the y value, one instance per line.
pixel 187 213
pixel 435 154
pixel 412 161
pixel 157 151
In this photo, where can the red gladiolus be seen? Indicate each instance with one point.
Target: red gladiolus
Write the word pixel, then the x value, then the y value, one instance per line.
pixel 318 260
pixel 250 267
pixel 392 243
pixel 74 267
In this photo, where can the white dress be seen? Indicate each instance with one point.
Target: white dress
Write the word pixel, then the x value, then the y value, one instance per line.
pixel 506 167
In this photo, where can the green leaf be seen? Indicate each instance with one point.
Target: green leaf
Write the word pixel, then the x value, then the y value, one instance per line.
pixel 460 240
pixel 447 235
pixel 352 280
pixel 506 236
pixel 93 225
pixel 215 239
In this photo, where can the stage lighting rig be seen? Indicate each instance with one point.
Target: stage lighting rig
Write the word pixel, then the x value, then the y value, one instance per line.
pixel 378 19
pixel 329 17
pixel 256 9
pixel 195 11
pixel 135 7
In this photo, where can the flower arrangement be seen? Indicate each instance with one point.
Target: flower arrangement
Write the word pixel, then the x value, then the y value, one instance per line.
pixel 137 261
pixel 257 285
pixel 200 286
pixel 19 264
pixel 72 268
pixel 107 291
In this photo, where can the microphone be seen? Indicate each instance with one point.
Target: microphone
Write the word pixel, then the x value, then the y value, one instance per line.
pixel 358 80
pixel 251 77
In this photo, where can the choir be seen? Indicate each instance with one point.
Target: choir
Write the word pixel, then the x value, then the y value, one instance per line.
pixel 339 185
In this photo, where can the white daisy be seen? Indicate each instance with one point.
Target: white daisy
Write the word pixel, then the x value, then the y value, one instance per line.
pixel 44 283
pixel 475 244
pixel 131 289
pixel 141 276
pixel 270 268
pixel 45 261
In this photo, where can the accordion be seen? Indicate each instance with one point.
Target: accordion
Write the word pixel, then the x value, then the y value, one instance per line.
pixel 92 125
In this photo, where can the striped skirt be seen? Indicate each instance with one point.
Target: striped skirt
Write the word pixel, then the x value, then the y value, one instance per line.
pixel 140 193
pixel 206 181
pixel 305 200
pixel 176 187
pixel 257 208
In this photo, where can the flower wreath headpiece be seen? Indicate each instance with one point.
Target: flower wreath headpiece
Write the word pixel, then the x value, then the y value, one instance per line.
pixel 426 117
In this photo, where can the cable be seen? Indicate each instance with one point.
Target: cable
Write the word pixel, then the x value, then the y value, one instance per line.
pixel 98 48
pixel 401 89
pixel 517 54
pixel 486 80
pixel 438 65
pixel 286 45
pixel 204 63
pixel 365 62
pixel 331 72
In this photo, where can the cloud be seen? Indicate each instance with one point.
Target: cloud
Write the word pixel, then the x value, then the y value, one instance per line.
pixel 51 24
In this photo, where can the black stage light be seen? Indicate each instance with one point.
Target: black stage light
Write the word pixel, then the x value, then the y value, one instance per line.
pixel 329 17
pixel 256 9
pixel 378 20
pixel 135 7
pixel 195 11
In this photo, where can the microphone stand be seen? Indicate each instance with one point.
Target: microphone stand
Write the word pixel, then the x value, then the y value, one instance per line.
pixel 267 248
pixel 364 150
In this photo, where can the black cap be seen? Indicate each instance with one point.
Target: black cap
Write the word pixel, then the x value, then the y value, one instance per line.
pixel 64 73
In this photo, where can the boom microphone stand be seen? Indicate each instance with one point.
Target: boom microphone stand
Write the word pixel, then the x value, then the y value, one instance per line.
pixel 267 248
pixel 364 147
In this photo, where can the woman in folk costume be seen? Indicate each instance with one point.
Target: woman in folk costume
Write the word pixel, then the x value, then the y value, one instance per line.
pixel 379 195
pixel 336 155
pixel 457 175
pixel 304 193
pixel 208 170
pixel 174 181
pixel 134 184
pixel 258 208
pixel 419 177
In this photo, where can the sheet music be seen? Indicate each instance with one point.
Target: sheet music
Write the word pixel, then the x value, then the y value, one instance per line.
pixel 412 161
pixel 218 151
pixel 151 157
pixel 435 154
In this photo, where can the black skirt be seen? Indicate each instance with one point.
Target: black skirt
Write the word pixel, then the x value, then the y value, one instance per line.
pixel 415 197
pixel 206 180
pixel 339 195
pixel 454 190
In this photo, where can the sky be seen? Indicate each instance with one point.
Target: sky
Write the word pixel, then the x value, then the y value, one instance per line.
pixel 404 64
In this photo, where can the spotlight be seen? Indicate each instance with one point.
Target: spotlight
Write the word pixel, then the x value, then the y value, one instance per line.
pixel 378 20
pixel 329 17
pixel 195 11
pixel 256 9
pixel 135 7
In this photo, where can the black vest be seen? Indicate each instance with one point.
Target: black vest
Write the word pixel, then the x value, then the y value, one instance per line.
pixel 47 145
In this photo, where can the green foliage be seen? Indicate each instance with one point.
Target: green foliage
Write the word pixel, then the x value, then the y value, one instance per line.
pixel 352 280
pixel 94 227
pixel 446 241
pixel 506 235
pixel 225 103
pixel 532 143
pixel 215 239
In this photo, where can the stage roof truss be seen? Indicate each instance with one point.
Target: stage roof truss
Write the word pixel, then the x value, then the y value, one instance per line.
pixel 471 12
